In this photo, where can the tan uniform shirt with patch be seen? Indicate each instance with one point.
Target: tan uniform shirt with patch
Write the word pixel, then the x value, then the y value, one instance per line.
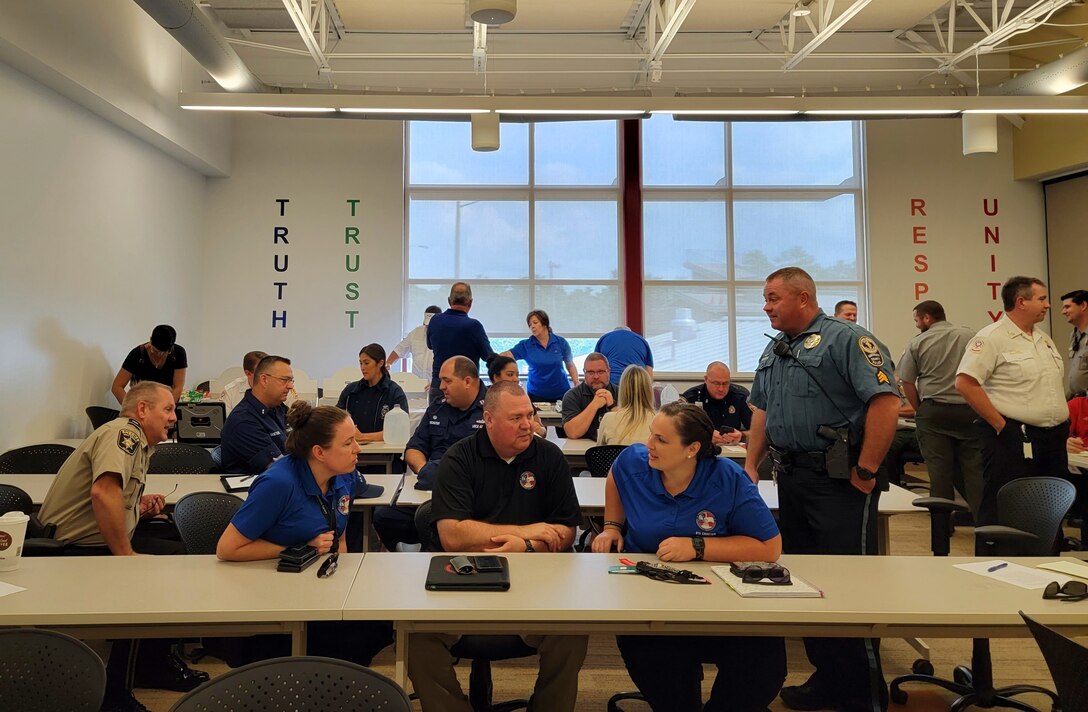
pixel 119 447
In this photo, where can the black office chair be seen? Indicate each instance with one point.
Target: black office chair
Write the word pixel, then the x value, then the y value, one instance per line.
pixel 599 459
pixel 482 650
pixel 202 517
pixel 1030 511
pixel 179 458
pixel 100 415
pixel 35 459
pixel 298 683
pixel 46 671
pixel 1067 660
pixel 39 539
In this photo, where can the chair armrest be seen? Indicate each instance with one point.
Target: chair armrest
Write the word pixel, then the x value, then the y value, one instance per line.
pixel 939 504
pixel 998 532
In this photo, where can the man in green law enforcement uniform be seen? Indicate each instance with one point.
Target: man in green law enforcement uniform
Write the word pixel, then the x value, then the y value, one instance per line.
pixel 825 410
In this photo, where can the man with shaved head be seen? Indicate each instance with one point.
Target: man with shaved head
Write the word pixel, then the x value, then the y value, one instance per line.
pixel 726 403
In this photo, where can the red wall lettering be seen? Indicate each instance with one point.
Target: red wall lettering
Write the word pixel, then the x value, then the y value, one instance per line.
pixel 986 207
pixel 920 288
pixel 920 235
pixel 917 207
pixel 920 263
pixel 994 316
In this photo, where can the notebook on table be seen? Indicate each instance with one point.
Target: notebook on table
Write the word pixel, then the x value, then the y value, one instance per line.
pixel 442 577
pixel 797 588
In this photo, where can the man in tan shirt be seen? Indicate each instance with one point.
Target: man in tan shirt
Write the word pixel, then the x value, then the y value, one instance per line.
pixel 96 501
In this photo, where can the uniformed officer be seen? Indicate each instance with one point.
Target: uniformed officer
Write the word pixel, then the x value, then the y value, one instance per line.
pixel 500 490
pixel 256 428
pixel 371 397
pixel 726 403
pixel 825 407
pixel 1007 362
pixel 458 413
pixel 96 501
pixel 1075 311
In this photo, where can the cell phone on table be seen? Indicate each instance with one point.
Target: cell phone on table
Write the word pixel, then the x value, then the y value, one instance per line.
pixel 485 564
pixel 725 429
pixel 298 554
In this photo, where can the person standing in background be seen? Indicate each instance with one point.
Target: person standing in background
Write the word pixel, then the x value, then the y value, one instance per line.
pixel 847 310
pixel 1075 311
pixel 160 360
pixel 547 354
pixel 235 391
pixel 415 344
pixel 455 333
pixel 623 347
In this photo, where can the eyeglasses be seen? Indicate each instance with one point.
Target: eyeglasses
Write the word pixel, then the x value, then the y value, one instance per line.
pixel 772 575
pixel 1069 591
pixel 661 572
pixel 595 373
pixel 718 384
pixel 285 379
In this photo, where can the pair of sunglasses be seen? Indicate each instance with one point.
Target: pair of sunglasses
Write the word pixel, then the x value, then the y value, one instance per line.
pixel 1069 591
pixel 661 572
pixel 769 575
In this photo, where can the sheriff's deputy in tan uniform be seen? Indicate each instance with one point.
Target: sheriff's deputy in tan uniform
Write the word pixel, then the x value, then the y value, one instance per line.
pixel 96 501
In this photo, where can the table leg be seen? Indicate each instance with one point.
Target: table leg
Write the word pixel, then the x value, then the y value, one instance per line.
pixel 298 638
pixel 884 543
pixel 400 670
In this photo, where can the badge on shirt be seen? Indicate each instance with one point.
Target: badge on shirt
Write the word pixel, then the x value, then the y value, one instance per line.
pixel 385 409
pixel 732 409
pixel 706 521
pixel 527 480
pixel 812 341
pixel 977 346
pixel 871 350
pixel 128 441
pixel 344 505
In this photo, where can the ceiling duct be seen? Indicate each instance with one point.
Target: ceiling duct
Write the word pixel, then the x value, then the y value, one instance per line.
pixel 1053 79
pixel 200 36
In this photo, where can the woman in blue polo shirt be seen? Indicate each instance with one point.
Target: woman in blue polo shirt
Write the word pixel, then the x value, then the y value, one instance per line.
pixel 371 397
pixel 682 503
pixel 304 498
pixel 547 354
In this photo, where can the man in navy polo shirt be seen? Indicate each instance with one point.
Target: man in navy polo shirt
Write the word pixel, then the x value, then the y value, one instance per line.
pixel 455 333
pixel 726 403
pixel 256 429
pixel 456 415
pixel 623 347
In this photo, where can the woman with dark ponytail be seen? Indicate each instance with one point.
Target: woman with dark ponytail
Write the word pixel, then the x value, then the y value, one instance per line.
pixel 674 497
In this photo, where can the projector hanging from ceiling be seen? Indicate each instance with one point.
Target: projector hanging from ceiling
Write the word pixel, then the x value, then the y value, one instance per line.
pixel 492 12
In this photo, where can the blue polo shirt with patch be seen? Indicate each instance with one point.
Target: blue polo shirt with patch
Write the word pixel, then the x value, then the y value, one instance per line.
pixel 548 378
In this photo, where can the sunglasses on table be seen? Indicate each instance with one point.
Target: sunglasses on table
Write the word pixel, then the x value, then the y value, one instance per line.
pixel 764 574
pixel 1070 591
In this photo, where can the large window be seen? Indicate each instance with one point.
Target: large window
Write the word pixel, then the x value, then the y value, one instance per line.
pixel 534 225
pixel 726 204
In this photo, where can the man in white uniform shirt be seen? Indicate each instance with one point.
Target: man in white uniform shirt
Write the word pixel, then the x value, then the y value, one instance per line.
pixel 1012 375
pixel 235 391
pixel 415 343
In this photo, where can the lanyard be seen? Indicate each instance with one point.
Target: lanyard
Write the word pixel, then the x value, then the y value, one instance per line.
pixel 330 519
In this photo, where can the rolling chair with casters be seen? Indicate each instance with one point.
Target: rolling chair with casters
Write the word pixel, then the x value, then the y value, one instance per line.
pixel 1067 661
pixel 599 459
pixel 179 458
pixel 39 539
pixel 202 517
pixel 35 459
pixel 288 684
pixel 35 661
pixel 482 650
pixel 1030 512
pixel 100 415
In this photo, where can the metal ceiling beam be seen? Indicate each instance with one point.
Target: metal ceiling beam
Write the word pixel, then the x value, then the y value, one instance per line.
pixel 825 34
pixel 1005 29
pixel 638 19
pixel 673 13
pixel 300 13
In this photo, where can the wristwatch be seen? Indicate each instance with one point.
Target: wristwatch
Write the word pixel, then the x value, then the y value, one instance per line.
pixel 865 475
pixel 529 546
pixel 700 547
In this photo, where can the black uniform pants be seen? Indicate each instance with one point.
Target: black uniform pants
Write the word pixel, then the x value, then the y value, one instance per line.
pixel 820 515
pixel 1004 460
pixel 667 669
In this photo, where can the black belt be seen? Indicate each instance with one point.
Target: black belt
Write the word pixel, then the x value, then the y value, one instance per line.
pixel 800 458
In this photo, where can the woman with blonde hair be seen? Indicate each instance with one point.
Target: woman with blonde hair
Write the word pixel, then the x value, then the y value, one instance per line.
pixel 630 422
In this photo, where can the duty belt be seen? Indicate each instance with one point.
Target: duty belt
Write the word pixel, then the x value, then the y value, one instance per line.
pixel 799 458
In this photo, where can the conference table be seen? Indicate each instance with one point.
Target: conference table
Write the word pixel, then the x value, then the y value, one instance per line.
pixel 590 491
pixel 864 596
pixel 95 597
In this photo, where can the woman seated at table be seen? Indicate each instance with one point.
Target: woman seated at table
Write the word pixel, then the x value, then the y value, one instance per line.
pixel 369 399
pixel 547 354
pixel 504 368
pixel 678 500
pixel 629 423
pixel 304 498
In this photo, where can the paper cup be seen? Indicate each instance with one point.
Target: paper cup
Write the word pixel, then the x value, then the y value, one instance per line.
pixel 12 533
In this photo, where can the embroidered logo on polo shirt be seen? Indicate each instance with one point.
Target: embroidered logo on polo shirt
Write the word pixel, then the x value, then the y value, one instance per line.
pixel 128 441
pixel 706 521
pixel 527 480
pixel 344 505
pixel 385 409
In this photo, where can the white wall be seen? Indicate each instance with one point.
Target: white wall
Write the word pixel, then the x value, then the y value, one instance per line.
pixel 923 160
pixel 101 233
pixel 318 165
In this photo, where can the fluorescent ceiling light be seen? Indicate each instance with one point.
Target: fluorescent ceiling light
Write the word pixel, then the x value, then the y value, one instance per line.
pixel 388 110
pixel 1025 111
pixel 882 112
pixel 266 109
pixel 573 112
pixel 730 112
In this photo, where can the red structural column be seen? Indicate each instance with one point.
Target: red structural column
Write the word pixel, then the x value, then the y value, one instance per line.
pixel 631 184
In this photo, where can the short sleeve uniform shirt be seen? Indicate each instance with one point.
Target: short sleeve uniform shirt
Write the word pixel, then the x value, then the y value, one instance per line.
pixel 368 404
pixel 732 410
pixel 720 501
pixel 548 378
pixel 119 447
pixel 283 504
pixel 443 425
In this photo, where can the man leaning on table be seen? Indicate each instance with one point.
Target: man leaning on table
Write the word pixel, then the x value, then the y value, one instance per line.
pixel 97 501
pixel 1012 376
pixel 585 404
pixel 502 490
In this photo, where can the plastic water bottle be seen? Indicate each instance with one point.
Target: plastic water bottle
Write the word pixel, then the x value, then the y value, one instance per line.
pixel 559 407
pixel 396 428
pixel 669 394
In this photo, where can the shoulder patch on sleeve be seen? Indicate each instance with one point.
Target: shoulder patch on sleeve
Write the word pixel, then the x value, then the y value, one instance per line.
pixel 128 441
pixel 871 351
pixel 976 345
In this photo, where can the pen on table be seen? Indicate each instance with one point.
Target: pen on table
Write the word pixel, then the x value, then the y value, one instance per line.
pixel 996 567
